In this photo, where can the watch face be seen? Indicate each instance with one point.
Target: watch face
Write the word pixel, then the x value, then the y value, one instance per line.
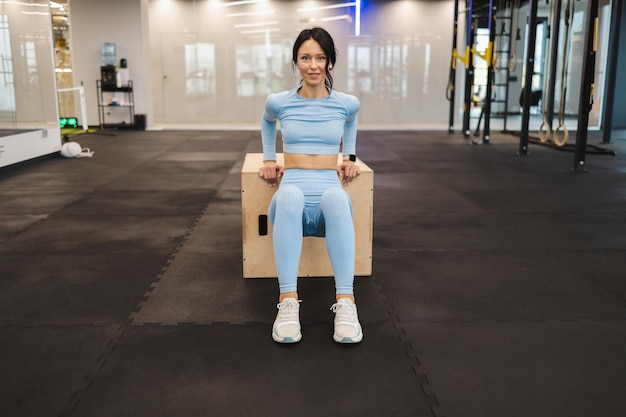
pixel 352 158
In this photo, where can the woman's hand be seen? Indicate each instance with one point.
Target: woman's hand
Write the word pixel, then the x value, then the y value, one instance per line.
pixel 271 172
pixel 348 170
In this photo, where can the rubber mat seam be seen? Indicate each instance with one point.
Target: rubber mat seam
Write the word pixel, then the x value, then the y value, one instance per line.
pixel 422 378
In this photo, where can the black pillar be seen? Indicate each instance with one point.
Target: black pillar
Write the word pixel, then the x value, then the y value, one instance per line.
pixel 452 80
pixel 555 30
pixel 531 34
pixel 469 69
pixel 611 76
pixel 586 84
pixel 490 74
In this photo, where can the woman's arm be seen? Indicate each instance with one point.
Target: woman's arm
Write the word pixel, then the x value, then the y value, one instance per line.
pixel 270 171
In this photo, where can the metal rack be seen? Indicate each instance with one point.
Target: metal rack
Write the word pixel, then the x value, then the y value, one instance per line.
pixel 117 104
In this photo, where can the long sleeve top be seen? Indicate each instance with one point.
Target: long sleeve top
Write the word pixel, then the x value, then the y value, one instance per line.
pixel 317 126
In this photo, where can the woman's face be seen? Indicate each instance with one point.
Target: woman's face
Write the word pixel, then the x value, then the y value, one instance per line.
pixel 312 63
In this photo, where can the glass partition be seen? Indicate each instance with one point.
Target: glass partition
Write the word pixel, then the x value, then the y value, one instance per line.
pixel 216 61
pixel 7 90
pixel 28 100
pixel 393 55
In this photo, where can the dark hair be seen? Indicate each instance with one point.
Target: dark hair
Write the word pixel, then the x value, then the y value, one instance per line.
pixel 322 37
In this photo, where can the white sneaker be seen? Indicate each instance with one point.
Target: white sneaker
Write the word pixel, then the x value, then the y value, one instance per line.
pixel 347 326
pixel 286 327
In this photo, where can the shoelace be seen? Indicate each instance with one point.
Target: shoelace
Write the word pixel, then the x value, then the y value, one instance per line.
pixel 345 312
pixel 288 309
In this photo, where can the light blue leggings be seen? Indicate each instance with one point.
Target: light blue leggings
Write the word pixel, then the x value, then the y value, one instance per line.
pixel 312 203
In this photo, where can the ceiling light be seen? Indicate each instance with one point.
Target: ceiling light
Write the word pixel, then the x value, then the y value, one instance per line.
pixel 250 25
pixel 250 13
pixel 239 3
pixel 339 17
pixel 249 32
pixel 333 6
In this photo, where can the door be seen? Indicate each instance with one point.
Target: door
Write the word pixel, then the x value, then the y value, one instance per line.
pixel 177 106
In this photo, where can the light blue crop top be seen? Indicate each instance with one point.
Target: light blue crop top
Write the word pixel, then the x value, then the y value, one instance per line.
pixel 310 126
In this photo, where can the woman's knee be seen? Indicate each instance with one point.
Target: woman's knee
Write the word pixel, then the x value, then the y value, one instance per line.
pixel 288 198
pixel 336 198
pixel 289 193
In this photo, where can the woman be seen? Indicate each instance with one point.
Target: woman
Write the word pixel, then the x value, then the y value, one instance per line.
pixel 310 201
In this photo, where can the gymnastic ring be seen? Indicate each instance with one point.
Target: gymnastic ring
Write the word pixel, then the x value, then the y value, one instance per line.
pixel 496 64
pixel 513 62
pixel 543 137
pixel 555 137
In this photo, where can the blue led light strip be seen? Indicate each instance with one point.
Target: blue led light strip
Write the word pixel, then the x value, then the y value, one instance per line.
pixel 357 18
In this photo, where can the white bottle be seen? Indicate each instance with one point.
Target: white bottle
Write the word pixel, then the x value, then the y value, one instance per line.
pixel 124 76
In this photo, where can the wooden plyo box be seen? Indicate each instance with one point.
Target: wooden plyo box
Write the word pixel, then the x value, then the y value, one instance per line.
pixel 258 250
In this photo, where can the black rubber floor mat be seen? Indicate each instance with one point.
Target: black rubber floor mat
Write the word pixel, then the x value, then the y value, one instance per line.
pixel 237 370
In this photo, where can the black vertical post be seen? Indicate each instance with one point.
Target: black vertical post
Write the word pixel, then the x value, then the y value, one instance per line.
pixel 508 73
pixel 531 34
pixel 555 31
pixel 469 69
pixel 452 80
pixel 490 74
pixel 609 91
pixel 586 84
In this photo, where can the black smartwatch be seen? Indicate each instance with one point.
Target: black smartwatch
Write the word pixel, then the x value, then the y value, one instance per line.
pixel 350 158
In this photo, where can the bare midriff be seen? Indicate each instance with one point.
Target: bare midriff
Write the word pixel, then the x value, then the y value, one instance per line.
pixel 304 161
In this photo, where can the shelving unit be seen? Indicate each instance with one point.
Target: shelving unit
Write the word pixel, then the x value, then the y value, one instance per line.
pixel 61 32
pixel 116 106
